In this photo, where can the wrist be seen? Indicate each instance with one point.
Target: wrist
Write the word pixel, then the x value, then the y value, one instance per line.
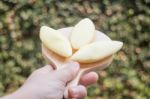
pixel 21 94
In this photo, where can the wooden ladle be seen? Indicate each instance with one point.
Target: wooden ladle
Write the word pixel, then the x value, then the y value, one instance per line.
pixel 58 62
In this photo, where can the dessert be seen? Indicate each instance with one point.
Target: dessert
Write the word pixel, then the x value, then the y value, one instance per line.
pixel 80 44
pixel 82 34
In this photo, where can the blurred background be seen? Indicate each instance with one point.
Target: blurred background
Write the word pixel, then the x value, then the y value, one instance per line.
pixel 128 77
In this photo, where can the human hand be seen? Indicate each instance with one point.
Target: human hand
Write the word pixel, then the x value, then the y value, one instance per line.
pixel 46 83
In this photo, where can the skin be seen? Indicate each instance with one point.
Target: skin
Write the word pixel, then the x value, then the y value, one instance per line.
pixel 46 83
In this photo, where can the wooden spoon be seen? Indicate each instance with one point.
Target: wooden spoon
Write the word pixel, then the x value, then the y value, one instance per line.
pixel 58 62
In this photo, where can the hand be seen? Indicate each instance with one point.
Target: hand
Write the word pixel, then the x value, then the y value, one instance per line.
pixel 46 83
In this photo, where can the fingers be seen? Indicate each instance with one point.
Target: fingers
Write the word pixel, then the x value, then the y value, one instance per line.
pixel 78 92
pixel 67 73
pixel 89 78
pixel 45 69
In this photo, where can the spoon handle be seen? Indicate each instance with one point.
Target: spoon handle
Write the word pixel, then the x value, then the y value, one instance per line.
pixel 74 82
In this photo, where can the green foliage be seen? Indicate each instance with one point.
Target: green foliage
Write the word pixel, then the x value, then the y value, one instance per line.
pixel 124 20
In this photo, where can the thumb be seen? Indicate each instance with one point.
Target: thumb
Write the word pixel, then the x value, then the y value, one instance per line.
pixel 68 73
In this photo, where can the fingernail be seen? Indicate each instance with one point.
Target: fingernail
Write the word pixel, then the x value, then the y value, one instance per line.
pixel 75 66
pixel 74 92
